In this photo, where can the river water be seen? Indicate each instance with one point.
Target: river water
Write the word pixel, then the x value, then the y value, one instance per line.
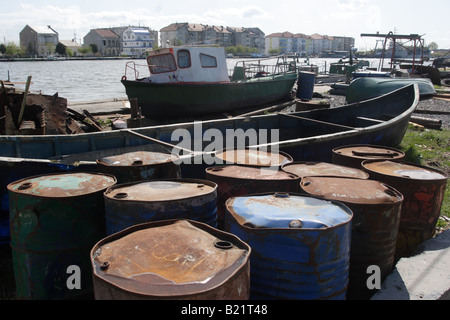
pixel 88 80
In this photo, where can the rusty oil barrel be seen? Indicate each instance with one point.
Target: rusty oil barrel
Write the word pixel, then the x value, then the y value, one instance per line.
pixel 354 155
pixel 311 168
pixel 237 180
pixel 55 220
pixel 300 244
pixel 251 157
pixel 376 211
pixel 423 191
pixel 153 200
pixel 139 165
pixel 171 259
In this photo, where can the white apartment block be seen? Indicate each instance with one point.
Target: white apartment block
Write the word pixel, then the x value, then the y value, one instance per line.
pixel 136 41
pixel 306 45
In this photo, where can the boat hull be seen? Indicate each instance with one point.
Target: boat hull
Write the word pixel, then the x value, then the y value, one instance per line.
pixel 178 100
pixel 369 87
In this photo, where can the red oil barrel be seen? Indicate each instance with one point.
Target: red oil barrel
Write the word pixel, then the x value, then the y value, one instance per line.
pixel 423 191
pixel 376 218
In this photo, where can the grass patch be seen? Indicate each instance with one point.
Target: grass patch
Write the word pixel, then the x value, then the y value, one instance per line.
pixel 430 148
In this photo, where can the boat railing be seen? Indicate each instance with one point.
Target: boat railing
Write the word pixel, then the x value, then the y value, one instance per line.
pixel 265 66
pixel 134 69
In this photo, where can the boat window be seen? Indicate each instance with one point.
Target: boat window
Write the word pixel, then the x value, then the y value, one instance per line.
pixel 162 63
pixel 184 59
pixel 208 61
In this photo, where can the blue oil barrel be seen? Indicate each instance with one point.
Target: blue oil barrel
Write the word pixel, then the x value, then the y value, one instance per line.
pixel 133 203
pixel 305 85
pixel 300 244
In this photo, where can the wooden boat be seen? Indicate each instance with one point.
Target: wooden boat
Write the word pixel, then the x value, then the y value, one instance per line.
pixel 194 81
pixel 305 136
pixel 369 87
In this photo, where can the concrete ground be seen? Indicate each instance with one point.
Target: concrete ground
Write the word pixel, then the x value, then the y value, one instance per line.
pixel 424 276
pixel 118 105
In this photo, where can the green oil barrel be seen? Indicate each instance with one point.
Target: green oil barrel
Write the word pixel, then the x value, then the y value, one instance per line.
pixel 54 222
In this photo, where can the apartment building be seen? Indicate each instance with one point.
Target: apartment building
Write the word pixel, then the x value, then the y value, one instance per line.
pixel 136 41
pixel 197 34
pixel 306 45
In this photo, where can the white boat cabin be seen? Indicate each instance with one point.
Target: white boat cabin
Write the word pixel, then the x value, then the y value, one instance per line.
pixel 188 65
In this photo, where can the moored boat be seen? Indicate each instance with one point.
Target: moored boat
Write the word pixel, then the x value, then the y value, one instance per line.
pixel 194 81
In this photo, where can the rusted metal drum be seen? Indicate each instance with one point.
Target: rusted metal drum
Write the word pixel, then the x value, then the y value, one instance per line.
pixel 353 155
pixel 146 201
pixel 234 180
pixel 423 191
pixel 171 259
pixel 55 220
pixel 376 211
pixel 300 244
pixel 304 169
pixel 252 157
pixel 139 165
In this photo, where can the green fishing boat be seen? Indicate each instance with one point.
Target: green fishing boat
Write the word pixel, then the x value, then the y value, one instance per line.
pixel 188 82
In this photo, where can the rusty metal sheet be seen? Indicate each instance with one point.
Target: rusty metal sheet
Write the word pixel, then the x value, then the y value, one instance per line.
pixel 350 190
pixel 173 259
pixel 353 155
pixel 62 185
pixel 423 190
pixel 252 157
pixel 303 169
pixel 300 244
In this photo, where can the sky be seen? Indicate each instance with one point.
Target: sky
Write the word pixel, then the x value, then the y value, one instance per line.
pixel 348 18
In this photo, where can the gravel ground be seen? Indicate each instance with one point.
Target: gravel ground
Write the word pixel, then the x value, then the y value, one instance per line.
pixel 425 104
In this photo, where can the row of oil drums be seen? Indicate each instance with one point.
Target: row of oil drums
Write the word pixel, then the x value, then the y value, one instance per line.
pixel 139 231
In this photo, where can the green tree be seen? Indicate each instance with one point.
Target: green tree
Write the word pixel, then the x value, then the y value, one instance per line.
pixel 84 50
pixel 60 49
pixel 69 52
pixel 94 48
pixel 2 48
pixel 12 49
pixel 433 46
